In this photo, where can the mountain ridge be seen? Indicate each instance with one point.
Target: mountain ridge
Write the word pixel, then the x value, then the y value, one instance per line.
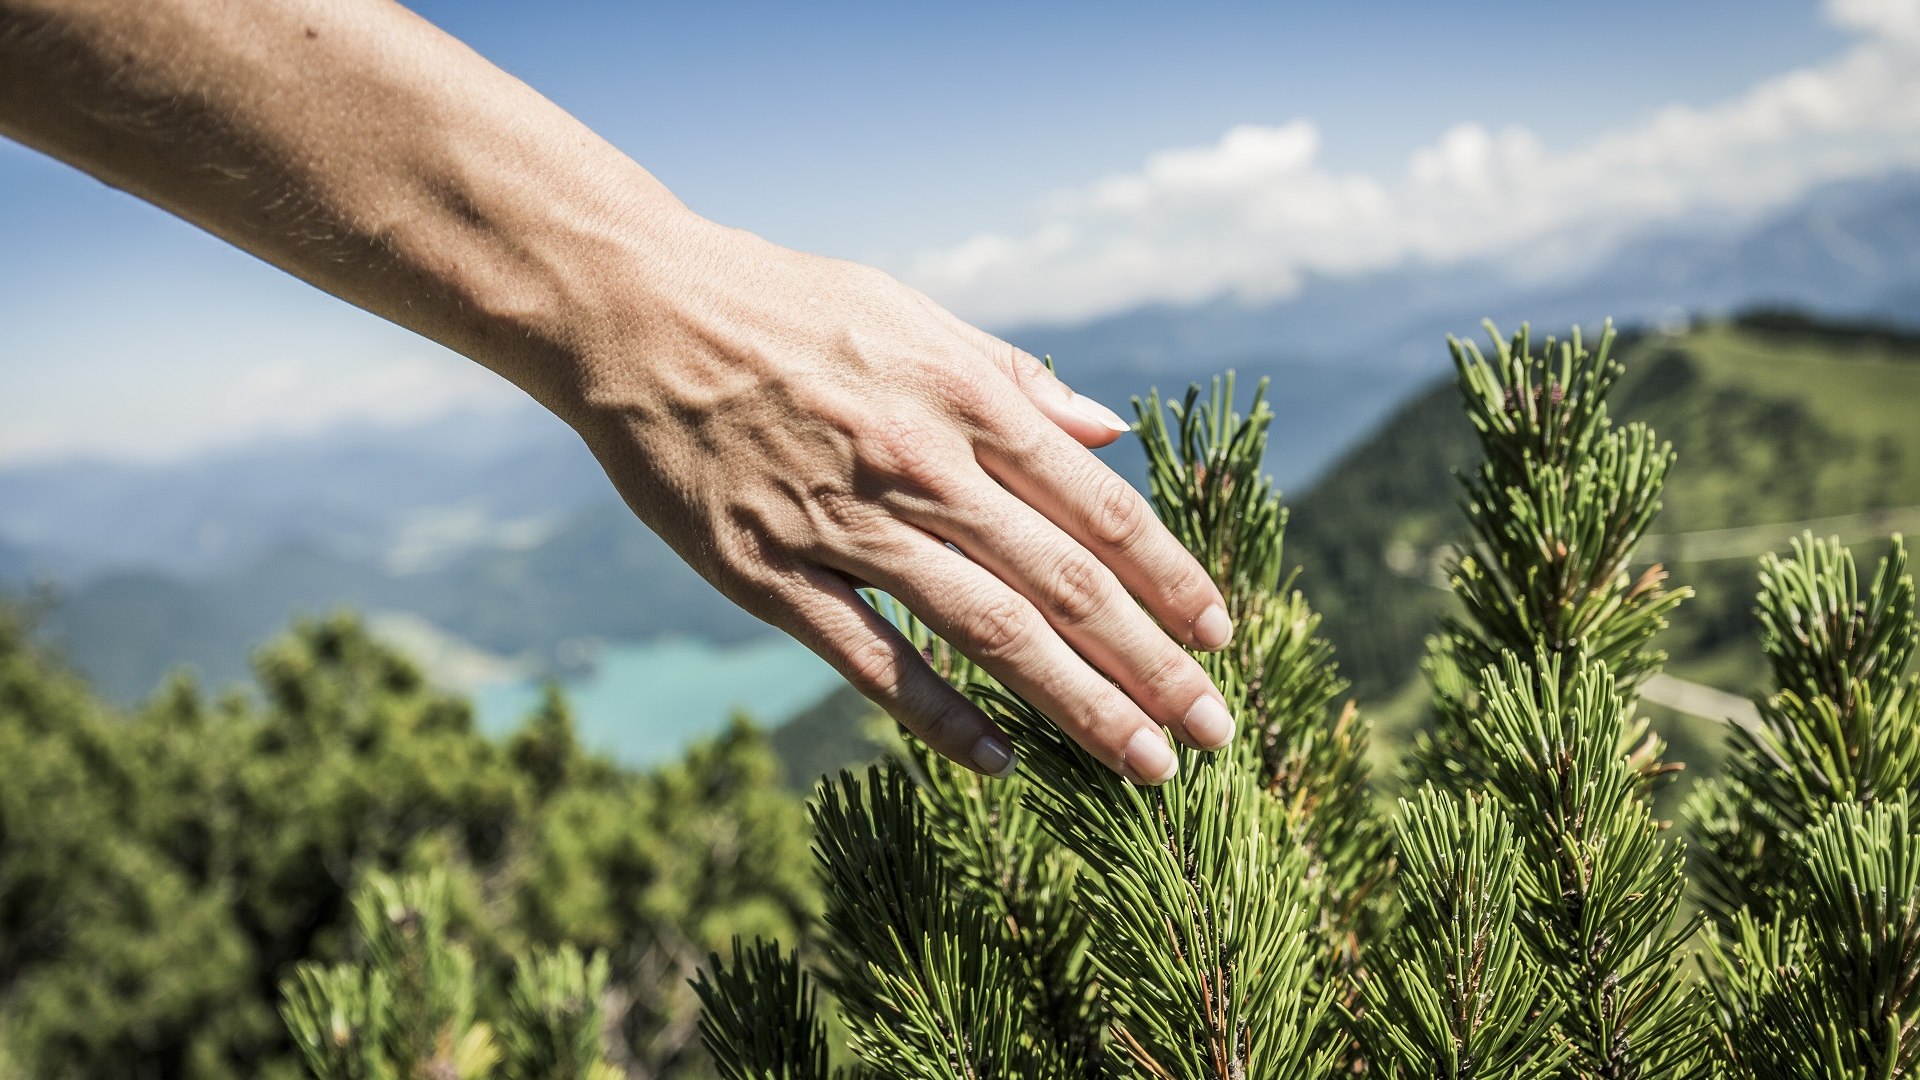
pixel 502 531
pixel 1849 248
pixel 1347 350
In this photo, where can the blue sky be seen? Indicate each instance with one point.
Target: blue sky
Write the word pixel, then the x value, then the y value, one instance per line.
pixel 1018 161
pixel 859 129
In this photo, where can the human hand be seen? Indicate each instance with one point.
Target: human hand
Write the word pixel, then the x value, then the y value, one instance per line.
pixel 797 427
pixel 794 426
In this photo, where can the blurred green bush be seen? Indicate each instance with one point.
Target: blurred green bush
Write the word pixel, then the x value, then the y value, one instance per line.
pixel 162 872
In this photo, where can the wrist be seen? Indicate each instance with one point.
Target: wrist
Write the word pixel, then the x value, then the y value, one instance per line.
pixel 549 268
pixel 646 315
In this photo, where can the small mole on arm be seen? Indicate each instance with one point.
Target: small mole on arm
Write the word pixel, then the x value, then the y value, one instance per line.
pixel 312 33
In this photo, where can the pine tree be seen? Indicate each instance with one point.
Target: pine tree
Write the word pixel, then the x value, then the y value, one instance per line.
pixel 408 1010
pixel 1070 923
pixel 1240 925
pixel 1534 686
pixel 1812 874
pixel 1452 995
pixel 163 869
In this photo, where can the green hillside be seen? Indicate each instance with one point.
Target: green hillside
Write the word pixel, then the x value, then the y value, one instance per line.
pixel 1780 423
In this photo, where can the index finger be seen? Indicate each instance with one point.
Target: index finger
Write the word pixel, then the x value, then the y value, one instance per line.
pixel 1055 475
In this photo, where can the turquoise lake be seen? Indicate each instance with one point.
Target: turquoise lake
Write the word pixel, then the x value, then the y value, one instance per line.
pixel 646 703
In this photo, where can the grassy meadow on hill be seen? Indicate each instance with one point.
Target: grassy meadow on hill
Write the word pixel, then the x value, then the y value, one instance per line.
pixel 1781 423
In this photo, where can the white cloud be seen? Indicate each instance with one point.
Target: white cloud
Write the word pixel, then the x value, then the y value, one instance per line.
pixel 1249 214
pixel 302 396
pixel 1899 19
pixel 238 402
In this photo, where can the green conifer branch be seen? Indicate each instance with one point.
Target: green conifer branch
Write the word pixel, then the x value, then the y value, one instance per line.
pixel 1811 869
pixel 409 1011
pixel 995 915
pixel 1204 943
pixel 1555 509
pixel 1863 919
pixel 1823 638
pixel 760 1016
pixel 1449 994
pixel 1205 479
pixel 1002 861
pixel 1533 687
pixel 403 928
pixel 923 979
pixel 1842 725
pixel 1601 885
pixel 1005 863
pixel 1834 989
pixel 338 1017
pixel 551 1029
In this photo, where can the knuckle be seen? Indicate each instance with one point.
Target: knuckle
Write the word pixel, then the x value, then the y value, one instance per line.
pixel 948 725
pixel 962 385
pixel 875 666
pixel 1028 373
pixel 767 591
pixel 1100 728
pixel 1190 590
pixel 1167 677
pixel 743 546
pixel 1078 590
pixel 1119 513
pixel 904 452
pixel 997 630
pixel 840 510
pixel 1028 443
pixel 1024 369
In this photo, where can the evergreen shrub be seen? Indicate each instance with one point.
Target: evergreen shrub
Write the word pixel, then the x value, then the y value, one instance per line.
pixel 1520 911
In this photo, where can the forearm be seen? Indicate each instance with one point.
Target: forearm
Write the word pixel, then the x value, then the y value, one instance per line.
pixel 354 145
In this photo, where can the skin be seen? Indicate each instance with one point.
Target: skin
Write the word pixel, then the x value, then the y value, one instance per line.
pixel 794 426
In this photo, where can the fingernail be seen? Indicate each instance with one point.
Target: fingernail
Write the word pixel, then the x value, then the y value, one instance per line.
pixel 1212 630
pixel 1209 723
pixel 992 755
pixel 1149 758
pixel 1099 414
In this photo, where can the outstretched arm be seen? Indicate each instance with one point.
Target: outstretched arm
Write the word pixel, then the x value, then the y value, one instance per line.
pixel 794 426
